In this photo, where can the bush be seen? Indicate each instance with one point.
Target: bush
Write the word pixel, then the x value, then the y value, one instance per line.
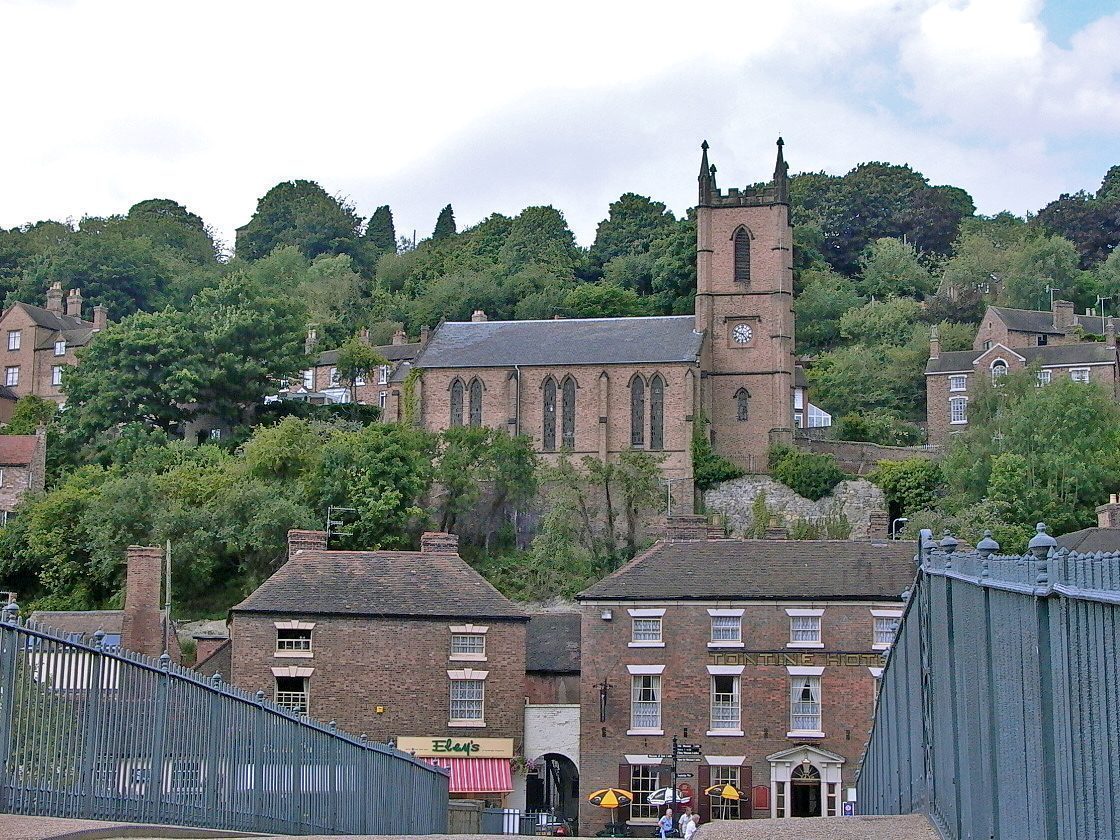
pixel 708 468
pixel 885 430
pixel 809 475
pixel 911 485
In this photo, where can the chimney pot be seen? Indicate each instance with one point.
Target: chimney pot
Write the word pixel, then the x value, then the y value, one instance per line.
pixel 74 303
pixel 54 298
pixel 425 332
pixel 399 337
pixel 311 340
pixel 439 542
pixel 1063 314
pixel 100 317
pixel 478 316
pixel 363 336
pixel 1108 516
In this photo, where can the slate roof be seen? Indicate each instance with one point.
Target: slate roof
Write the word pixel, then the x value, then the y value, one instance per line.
pixel 1091 540
pixel 1082 353
pixel 578 341
pixel 81 623
pixel 17 450
pixel 76 331
pixel 749 570
pixel 552 643
pixel 411 584
pixel 391 352
pixel 1035 321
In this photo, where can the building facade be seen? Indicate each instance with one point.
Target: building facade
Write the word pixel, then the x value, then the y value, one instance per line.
pixel 23 469
pixel 412 647
pixel 604 386
pixel 764 653
pixel 39 344
pixel 1057 344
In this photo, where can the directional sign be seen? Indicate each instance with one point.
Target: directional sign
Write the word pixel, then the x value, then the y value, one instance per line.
pixel 689 776
pixel 688 748
pixel 688 759
pixel 663 755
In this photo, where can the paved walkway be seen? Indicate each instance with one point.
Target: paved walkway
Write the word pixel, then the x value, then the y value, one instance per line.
pixel 914 827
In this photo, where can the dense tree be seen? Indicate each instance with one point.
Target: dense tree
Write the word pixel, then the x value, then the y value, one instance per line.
pixel 891 267
pixel 445 224
pixel 29 414
pixel 825 298
pixel 381 234
pixel 300 213
pixel 632 223
pixel 603 300
pixel 1091 222
pixel 357 360
pixel 541 236
pixel 673 269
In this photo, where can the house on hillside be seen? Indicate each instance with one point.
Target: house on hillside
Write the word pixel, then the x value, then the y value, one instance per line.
pixel 38 344
pixel 1058 343
pixel 1104 537
pixel 23 469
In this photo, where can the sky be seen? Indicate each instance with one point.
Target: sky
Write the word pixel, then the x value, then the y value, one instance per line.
pixel 495 106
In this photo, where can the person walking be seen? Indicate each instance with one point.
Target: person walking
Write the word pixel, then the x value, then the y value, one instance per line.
pixel 690 827
pixel 682 823
pixel 665 824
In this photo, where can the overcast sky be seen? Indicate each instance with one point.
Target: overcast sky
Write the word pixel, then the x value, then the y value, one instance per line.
pixel 494 106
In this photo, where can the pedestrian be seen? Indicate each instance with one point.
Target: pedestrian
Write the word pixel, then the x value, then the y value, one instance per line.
pixel 665 824
pixel 690 828
pixel 682 823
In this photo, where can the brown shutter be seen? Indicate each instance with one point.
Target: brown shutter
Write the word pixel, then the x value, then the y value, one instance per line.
pixel 703 801
pixel 623 814
pixel 746 804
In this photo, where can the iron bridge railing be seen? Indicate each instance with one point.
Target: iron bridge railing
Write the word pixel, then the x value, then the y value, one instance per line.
pixel 97 733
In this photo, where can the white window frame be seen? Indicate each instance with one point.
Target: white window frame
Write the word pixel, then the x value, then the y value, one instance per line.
pixel 459 681
pixel 11 376
pixel 958 382
pixel 1 477
pixel 382 399
pixel 56 374
pixel 645 678
pixel 998 364
pixel 878 616
pixel 798 712
pixel 297 701
pixel 309 379
pixel 463 633
pixel 60 347
pixel 383 375
pixel 642 813
pixel 962 403
pixel 15 339
pixel 1044 377
pixel 722 724
pixel 802 617
pixel 650 620
pixel 726 619
pixel 725 774
pixel 334 379
pixel 1080 375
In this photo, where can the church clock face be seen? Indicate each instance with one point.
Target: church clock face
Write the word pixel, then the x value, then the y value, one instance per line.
pixel 742 333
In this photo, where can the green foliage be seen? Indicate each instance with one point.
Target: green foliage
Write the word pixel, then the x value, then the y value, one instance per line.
pixel 911 485
pixel 673 269
pixel 883 429
pixel 445 224
pixel 891 267
pixel 29 414
pixel 632 223
pixel 807 474
pixel 826 297
pixel 1090 222
pixel 300 213
pixel 760 518
pixel 603 300
pixel 356 360
pixel 381 233
pixel 708 468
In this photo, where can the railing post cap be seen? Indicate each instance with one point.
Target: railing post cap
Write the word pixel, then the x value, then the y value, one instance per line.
pixel 260 696
pixel 216 680
pixel 1041 542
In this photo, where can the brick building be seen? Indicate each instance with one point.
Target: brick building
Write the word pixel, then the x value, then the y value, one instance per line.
pixel 23 469
pixel 1058 344
pixel 766 653
pixel 603 386
pixel 38 344
pixel 413 647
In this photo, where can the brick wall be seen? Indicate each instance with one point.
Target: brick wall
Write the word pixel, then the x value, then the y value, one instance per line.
pixel 141 625
pixel 847 690
pixel 400 664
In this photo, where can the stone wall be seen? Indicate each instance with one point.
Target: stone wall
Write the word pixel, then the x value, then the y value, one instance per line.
pixel 858 500
pixel 859 458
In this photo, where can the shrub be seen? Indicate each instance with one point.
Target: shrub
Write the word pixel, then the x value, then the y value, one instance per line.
pixel 807 474
pixel 914 484
pixel 708 468
pixel 885 430
pixel 760 517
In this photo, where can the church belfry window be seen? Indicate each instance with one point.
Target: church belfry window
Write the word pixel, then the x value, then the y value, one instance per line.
pixel 476 402
pixel 637 411
pixel 457 403
pixel 742 404
pixel 742 242
pixel 657 412
pixel 548 407
pixel 568 425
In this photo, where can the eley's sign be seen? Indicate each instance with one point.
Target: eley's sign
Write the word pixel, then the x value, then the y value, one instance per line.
pixel 457 747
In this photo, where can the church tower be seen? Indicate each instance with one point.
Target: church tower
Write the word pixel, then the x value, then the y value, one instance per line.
pixel 744 306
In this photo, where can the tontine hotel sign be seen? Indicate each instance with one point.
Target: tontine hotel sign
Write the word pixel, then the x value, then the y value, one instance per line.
pixel 781 657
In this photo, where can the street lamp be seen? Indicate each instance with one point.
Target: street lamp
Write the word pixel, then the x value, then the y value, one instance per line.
pixel 896 526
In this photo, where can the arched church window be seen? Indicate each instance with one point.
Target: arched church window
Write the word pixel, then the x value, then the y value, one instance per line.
pixel 742 243
pixel 476 402
pixel 657 412
pixel 568 424
pixel 742 404
pixel 637 411
pixel 457 403
pixel 548 433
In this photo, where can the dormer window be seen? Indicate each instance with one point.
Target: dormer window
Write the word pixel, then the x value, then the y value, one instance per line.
pixel 60 347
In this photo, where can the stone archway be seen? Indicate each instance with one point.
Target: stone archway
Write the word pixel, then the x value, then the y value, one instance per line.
pixel 554 787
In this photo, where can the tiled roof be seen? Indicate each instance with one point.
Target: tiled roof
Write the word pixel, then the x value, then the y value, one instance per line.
pixel 552 642
pixel 379 583
pixel 803 570
pixel 391 353
pixel 582 341
pixel 1091 540
pixel 77 337
pixel 83 623
pixel 51 321
pixel 17 450
pixel 1082 353
pixel 1035 321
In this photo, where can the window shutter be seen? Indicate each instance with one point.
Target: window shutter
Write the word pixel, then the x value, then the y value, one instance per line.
pixel 703 801
pixel 622 814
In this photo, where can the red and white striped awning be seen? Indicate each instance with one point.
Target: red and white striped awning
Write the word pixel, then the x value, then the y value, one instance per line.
pixel 477 775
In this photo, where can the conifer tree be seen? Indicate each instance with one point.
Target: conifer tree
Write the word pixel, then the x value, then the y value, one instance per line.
pixel 381 234
pixel 445 224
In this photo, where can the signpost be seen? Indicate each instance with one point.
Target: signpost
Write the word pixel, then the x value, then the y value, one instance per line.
pixel 681 753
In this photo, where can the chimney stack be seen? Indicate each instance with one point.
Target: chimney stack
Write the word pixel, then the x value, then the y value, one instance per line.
pixel 399 337
pixel 1110 333
pixel 311 340
pixel 425 333
pixel 100 317
pixel 299 540
pixel 1063 314
pixel 478 316
pixel 438 542
pixel 878 525
pixel 685 527
pixel 54 298
pixel 934 343
pixel 363 336
pixel 74 303
pixel 1108 516
pixel 142 623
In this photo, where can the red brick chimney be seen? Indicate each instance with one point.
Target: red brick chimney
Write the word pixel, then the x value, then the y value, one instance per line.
pixel 54 298
pixel 425 334
pixel 438 542
pixel 399 337
pixel 690 526
pixel 100 317
pixel 142 624
pixel 1108 516
pixel 306 541
pixel 204 646
pixel 74 303
pixel 878 525
pixel 934 343
pixel 1063 314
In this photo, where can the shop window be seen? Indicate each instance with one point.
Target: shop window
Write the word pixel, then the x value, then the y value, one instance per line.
pixel 645 710
pixel 725 809
pixel 291 693
pixel 293 640
pixel 805 704
pixel 468 701
pixel 725 703
pixel 185 777
pixel 643 782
